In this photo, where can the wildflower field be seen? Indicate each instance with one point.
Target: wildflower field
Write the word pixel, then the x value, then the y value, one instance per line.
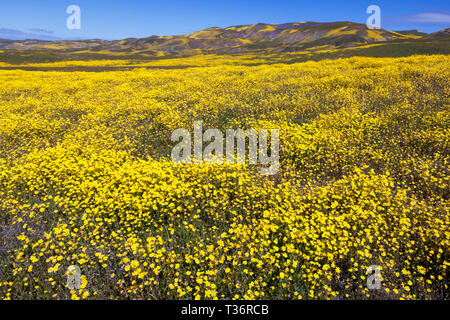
pixel 86 179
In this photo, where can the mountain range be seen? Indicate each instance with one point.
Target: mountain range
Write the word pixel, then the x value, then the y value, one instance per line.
pixel 260 37
pixel 37 34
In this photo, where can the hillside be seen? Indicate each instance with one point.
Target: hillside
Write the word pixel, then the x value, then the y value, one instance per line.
pixel 439 34
pixel 267 43
pixel 274 37
pixel 412 33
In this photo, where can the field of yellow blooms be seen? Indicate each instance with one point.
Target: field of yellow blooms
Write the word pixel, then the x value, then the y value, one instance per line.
pixel 86 179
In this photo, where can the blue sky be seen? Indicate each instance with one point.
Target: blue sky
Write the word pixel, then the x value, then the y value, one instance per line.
pixel 118 19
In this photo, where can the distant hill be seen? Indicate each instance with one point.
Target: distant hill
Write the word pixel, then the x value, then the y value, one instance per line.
pixel 439 34
pixel 287 37
pixel 412 33
pixel 11 34
pixel 288 42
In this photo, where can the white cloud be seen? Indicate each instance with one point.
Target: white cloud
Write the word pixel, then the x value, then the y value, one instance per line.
pixel 431 18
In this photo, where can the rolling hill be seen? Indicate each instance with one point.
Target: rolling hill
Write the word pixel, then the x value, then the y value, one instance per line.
pixel 439 34
pixel 277 37
pixel 320 39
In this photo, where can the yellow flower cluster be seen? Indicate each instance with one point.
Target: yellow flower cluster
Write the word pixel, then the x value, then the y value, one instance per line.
pixel 86 180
